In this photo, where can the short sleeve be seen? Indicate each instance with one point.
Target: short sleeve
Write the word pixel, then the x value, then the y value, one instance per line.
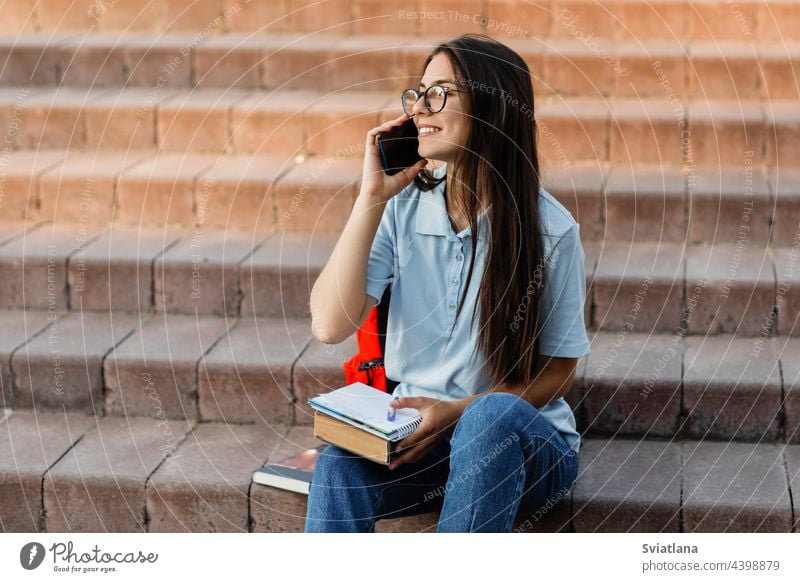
pixel 380 267
pixel 563 331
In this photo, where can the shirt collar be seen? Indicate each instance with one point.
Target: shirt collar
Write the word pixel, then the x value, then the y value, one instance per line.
pixel 432 212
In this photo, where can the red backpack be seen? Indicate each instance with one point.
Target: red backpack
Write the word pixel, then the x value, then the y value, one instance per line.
pixel 367 365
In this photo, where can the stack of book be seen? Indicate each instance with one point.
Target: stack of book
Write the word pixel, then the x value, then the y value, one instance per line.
pixel 355 418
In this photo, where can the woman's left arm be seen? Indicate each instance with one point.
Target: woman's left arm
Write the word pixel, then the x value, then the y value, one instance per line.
pixel 553 381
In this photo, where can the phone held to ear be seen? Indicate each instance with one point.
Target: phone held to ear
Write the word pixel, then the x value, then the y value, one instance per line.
pixel 399 147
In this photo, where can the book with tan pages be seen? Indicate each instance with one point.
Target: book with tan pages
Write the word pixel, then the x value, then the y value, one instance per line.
pixel 354 418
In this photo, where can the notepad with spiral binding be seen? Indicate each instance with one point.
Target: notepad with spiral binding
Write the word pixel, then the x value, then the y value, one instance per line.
pixel 365 407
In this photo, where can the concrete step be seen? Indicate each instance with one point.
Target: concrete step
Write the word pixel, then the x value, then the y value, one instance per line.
pixel 510 19
pixel 259 195
pixel 739 287
pixel 256 194
pixel 264 193
pixel 625 131
pixel 721 387
pixel 252 369
pixel 641 67
pixel 70 472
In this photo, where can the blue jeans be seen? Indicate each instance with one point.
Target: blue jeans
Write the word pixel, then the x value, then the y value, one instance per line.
pixel 502 457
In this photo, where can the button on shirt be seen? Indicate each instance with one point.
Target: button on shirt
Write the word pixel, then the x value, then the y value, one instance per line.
pixel 426 262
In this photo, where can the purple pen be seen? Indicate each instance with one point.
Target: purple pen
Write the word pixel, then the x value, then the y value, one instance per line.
pixel 392 414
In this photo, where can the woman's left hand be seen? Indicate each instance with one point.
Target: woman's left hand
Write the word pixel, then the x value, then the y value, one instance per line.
pixel 438 416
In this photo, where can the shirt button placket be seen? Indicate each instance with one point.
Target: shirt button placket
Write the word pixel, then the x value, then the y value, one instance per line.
pixel 454 282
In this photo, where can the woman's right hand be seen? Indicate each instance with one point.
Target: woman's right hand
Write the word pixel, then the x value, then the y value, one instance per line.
pixel 375 181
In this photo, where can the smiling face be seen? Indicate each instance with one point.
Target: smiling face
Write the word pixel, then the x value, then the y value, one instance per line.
pixel 450 133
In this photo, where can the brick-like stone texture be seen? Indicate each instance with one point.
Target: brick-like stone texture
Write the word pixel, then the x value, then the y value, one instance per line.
pixel 782 131
pixel 646 131
pixel 18 326
pixel 368 62
pixel 159 61
pixel 735 288
pixel 93 60
pixel 336 125
pixel 278 277
pixel 99 485
pixel 154 371
pixel 639 287
pixel 724 70
pixel 200 274
pixel 29 61
pixel 732 388
pixel 645 203
pixel 735 487
pixel 11 229
pixel 160 191
pixel 272 122
pixel 62 368
pixel 642 69
pixel 787 271
pixel 730 204
pixel 632 384
pixel 235 193
pixel 115 272
pixel 33 268
pixel 247 376
pixel 628 486
pixel 205 486
pixel 790 371
pixel 792 453
pixel 573 129
pixel 52 118
pixel 82 189
pixel 726 131
pixel 570 69
pixel 197 121
pixel 579 187
pixel 785 188
pixel 318 195
pixel 124 119
pixel 31 443
pixel 231 60
pixel 20 180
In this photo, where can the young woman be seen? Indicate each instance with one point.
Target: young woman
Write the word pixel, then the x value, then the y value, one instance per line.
pixel 484 330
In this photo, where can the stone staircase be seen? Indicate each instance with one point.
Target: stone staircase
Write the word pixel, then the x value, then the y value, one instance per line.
pixel 175 174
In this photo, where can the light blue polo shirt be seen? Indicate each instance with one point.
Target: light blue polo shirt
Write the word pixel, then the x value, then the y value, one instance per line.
pixel 426 262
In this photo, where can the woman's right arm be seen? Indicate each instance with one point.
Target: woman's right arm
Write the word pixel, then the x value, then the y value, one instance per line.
pixel 339 302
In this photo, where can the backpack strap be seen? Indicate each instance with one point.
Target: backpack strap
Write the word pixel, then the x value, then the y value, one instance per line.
pixel 367 365
pixel 383 319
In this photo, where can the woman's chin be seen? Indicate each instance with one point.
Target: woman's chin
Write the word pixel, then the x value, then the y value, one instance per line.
pixel 429 149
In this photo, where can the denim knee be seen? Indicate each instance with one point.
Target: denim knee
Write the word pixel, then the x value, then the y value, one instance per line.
pixel 336 467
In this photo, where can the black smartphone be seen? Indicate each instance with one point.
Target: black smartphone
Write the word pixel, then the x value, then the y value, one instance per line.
pixel 399 146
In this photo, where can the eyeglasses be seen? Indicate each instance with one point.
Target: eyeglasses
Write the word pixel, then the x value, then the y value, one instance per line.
pixel 435 98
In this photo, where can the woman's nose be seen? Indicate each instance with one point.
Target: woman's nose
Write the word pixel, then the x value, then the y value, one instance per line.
pixel 419 106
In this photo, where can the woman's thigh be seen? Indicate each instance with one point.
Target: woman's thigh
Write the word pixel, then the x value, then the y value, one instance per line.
pixel 410 489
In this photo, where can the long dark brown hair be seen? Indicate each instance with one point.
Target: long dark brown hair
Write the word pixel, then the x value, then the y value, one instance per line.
pixel 500 162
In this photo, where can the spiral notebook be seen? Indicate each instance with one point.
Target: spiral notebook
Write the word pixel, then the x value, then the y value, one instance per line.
pixel 365 407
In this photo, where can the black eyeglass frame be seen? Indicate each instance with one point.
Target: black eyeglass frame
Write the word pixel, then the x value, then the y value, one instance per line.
pixel 419 94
